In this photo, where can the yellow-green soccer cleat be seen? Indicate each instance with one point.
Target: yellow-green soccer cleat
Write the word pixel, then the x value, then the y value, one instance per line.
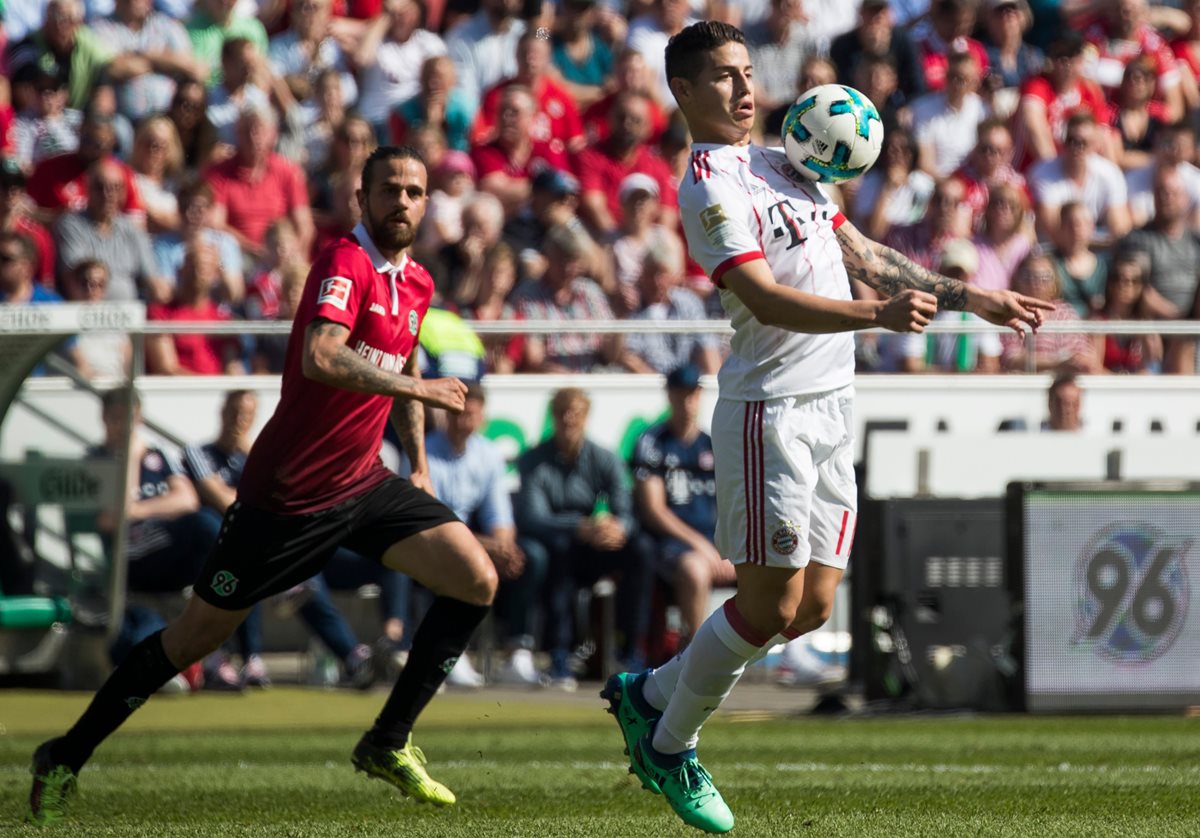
pixel 404 768
pixel 634 715
pixel 53 788
pixel 686 785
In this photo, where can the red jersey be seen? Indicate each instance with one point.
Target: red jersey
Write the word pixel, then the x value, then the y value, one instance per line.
pixel 1085 96
pixel 595 119
pixel 556 123
pixel 321 447
pixel 600 172
pixel 934 54
pixel 254 200
pixel 491 158
pixel 1105 62
pixel 198 354
pixel 60 183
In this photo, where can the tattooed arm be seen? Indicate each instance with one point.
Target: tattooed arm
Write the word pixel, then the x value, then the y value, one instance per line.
pixel 408 420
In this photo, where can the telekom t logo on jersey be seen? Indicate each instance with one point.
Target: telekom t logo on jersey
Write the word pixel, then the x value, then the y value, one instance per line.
pixel 782 216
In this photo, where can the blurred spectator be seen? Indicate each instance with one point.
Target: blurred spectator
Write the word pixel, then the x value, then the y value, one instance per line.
pixel 264 293
pixel 270 351
pixel 343 214
pixel 1010 59
pixel 1065 402
pixel 649 33
pixel 257 186
pixel 16 216
pixel 458 266
pixel 507 164
pixel 1121 34
pixel 321 114
pixel 876 36
pixel 1082 175
pixel 574 517
pixel 980 353
pixel 894 193
pixel 564 293
pixel 103 232
pixel 440 104
pixel 674 497
pixel 430 143
pixel 946 219
pixel 661 297
pixel 451 185
pixel 189 114
pixel 157 162
pixel 1081 273
pixel 17 278
pixel 159 50
pixel 556 121
pixel 212 23
pixel 630 74
pixel 392 57
pixel 1044 351
pixel 1174 148
pixel 875 77
pixel 502 353
pixel 639 226
pixel 184 354
pixel 1047 100
pixel 1124 299
pixel 583 60
pixel 196 223
pixel 1004 239
pixel 484 47
pixel 945 122
pixel 60 183
pixel 237 89
pixel 946 31
pixel 1136 116
pixel 778 46
pixel 352 143
pixel 1187 50
pixel 309 48
pixel 827 19
pixel 49 128
pixel 988 165
pixel 604 166
pixel 101 354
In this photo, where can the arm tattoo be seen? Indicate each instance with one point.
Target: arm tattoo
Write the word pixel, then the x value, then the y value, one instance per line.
pixel 408 418
pixel 890 272
pixel 350 371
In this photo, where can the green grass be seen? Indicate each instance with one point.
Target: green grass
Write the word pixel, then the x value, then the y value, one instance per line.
pixel 276 764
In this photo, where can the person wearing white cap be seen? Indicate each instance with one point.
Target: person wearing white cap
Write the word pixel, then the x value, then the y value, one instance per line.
pixel 638 194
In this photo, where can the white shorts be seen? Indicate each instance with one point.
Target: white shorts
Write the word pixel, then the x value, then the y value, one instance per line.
pixel 786 491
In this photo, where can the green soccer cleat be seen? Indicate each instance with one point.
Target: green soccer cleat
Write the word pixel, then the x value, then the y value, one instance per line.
pixel 686 785
pixel 404 768
pixel 634 716
pixel 53 788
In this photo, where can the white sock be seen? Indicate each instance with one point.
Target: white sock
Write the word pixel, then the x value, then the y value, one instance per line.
pixel 710 668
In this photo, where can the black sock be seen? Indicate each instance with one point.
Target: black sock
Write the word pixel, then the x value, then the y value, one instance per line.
pixel 440 639
pixel 145 670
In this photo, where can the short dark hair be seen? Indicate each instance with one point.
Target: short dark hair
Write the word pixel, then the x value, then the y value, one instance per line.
pixel 687 50
pixel 28 248
pixel 384 153
pixel 1063 379
pixel 117 397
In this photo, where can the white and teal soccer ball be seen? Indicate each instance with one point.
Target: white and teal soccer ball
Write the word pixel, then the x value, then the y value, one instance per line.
pixel 832 134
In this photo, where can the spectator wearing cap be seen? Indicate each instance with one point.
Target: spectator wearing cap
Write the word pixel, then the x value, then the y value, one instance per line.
pixel 1010 59
pixel 554 200
pixel 15 217
pixel 674 499
pixel 307 48
pixel 212 23
pixel 947 31
pixel 877 36
pixel 452 184
pixel 662 298
pixel 484 46
pixel 59 184
pixel 945 122
pixel 160 51
pixel 583 60
pixel 256 186
pixel 507 164
pixel 1004 239
pixel 439 104
pixel 630 74
pixel 1049 99
pixel 605 165
pixel 392 59
pixel 778 46
pixel 556 122
pixel 649 33
pixel 639 225
pixel 989 164
pixel 457 266
pixel 49 127
pixel 1121 34
pixel 102 232
pixel 980 352
pixel 1174 148
pixel 564 293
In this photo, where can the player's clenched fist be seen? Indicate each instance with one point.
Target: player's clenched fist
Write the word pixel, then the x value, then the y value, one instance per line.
pixel 449 393
pixel 908 311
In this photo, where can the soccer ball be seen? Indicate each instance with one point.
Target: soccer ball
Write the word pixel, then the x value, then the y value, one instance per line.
pixel 833 133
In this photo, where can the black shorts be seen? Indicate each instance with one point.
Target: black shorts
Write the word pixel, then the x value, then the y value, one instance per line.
pixel 260 553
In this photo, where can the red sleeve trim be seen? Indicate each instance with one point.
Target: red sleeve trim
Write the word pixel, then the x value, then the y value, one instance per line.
pixel 733 262
pixel 838 220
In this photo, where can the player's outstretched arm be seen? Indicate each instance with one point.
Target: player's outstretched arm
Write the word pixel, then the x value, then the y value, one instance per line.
pixel 892 273
pixel 330 361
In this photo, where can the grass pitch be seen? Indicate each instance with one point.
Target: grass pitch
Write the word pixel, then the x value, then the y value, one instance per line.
pixel 277 764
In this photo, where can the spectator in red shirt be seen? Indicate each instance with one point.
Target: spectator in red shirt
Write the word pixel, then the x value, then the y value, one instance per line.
pixel 557 121
pixel 15 218
pixel 1048 100
pixel 630 73
pixel 989 164
pixel 948 30
pixel 59 184
pixel 1121 34
pixel 257 186
pixel 506 165
pixel 193 354
pixel 605 165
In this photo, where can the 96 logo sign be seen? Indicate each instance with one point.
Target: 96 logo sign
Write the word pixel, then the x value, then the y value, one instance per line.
pixel 1132 593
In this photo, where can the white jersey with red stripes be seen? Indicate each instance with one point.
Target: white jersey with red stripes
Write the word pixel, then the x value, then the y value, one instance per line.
pixel 740 203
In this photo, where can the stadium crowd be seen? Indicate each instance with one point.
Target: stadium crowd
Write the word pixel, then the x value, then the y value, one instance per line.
pixel 196 154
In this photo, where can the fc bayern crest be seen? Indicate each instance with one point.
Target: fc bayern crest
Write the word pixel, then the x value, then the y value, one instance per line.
pixel 412 323
pixel 785 540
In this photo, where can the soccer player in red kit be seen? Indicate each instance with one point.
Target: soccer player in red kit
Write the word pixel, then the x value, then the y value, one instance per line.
pixel 314 481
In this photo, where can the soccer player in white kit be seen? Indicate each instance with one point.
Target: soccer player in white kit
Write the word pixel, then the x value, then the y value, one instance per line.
pixel 782 255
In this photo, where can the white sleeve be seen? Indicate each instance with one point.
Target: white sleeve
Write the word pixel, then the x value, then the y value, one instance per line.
pixel 719 224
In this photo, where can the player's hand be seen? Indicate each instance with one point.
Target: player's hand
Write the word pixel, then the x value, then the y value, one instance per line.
pixel 908 311
pixel 1008 308
pixel 448 393
pixel 422 481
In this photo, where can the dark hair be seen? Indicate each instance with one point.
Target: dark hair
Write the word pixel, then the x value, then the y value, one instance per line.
pixel 898 133
pixel 1063 379
pixel 117 397
pixel 231 47
pixel 28 249
pixel 688 50
pixel 193 189
pixel 387 152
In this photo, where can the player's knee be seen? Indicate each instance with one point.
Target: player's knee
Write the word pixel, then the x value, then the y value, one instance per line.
pixel 693 571
pixel 812 614
pixel 184 645
pixel 482 581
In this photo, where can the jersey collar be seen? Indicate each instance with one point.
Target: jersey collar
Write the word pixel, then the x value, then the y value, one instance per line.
pixel 382 265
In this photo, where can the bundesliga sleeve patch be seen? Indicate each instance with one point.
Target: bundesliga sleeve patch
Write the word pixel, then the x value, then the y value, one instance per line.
pixel 335 291
pixel 716 224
